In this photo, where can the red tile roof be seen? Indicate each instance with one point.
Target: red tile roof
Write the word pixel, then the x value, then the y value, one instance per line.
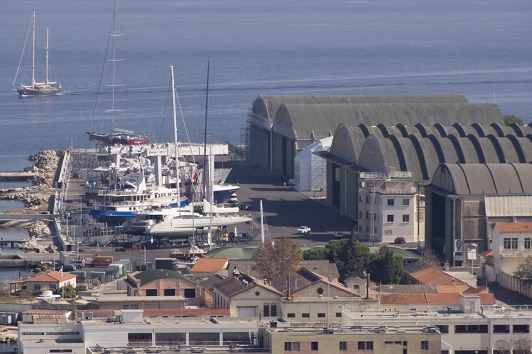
pixel 402 299
pixel 209 265
pixel 52 277
pixel 434 299
pixel 488 253
pixel 451 289
pixel 431 275
pixel 514 227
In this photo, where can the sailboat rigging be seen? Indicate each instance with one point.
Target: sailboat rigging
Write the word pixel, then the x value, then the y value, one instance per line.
pixel 46 88
pixel 117 136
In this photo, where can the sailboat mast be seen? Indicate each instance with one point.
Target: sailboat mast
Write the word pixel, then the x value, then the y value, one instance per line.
pixel 33 51
pixel 113 72
pixel 47 56
pixel 175 134
pixel 205 167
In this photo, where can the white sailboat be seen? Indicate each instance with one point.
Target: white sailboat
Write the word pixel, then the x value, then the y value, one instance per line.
pixel 46 88
pixel 181 223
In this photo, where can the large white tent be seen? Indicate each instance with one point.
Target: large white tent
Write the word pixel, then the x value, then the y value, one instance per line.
pixel 309 169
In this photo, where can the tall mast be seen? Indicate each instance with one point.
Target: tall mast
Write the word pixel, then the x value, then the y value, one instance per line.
pixel 114 35
pixel 47 56
pixel 205 167
pixel 33 52
pixel 175 134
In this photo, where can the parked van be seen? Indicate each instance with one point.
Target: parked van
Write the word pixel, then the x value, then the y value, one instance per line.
pixel 101 261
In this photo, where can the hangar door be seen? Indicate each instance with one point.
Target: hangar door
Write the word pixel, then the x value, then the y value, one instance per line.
pixel 246 312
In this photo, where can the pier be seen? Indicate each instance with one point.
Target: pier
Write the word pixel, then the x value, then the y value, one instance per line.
pixel 16 176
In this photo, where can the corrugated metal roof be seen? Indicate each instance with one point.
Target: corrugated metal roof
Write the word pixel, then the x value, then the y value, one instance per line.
pixel 267 105
pixel 319 120
pixel 481 179
pixel 508 205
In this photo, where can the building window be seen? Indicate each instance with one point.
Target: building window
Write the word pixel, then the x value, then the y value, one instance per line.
pixel 170 339
pixel 266 310
pixel 287 346
pixel 319 291
pixel 36 286
pixel 367 215
pixel 205 338
pixel 291 315
pixel 190 293
pixel 338 314
pixel 471 329
pixel 406 218
pixel 151 292
pixel 389 218
pixel 361 198
pixel 321 315
pixel 141 338
pixel 313 345
pixel 169 292
pixel 507 244
pixel 343 345
pixel 360 214
pixel 501 328
pixel 305 315
pixel 514 243
pixel 443 328
pixel 361 345
pixel 390 202
pixel 527 243
pixel 521 329
pixel 273 310
pixel 406 201
pixel 295 346
pixel 424 345
pixel 369 345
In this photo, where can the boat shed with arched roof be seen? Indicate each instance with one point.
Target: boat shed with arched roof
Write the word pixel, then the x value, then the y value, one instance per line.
pixel 464 201
pixel 261 116
pixel 297 126
pixel 417 150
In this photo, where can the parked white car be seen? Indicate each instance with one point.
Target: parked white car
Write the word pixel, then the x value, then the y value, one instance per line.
pixel 303 230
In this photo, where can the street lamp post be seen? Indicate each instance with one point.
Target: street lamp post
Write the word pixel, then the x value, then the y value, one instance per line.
pixel 472 254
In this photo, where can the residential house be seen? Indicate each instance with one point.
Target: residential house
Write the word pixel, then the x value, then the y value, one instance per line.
pixel 207 291
pixel 52 280
pixel 300 296
pixel 162 283
pixel 511 244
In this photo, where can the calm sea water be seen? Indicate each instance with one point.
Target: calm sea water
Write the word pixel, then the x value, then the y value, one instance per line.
pixel 478 48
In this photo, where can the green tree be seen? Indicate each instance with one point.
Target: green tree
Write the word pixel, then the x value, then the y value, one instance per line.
pixel 510 118
pixel 524 270
pixel 273 260
pixel 67 292
pixel 385 267
pixel 316 253
pixel 350 255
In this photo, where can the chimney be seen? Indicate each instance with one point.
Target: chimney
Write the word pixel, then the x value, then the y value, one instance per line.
pixel 446 266
pixel 288 287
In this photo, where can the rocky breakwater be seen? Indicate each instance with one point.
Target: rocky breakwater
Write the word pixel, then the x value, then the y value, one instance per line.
pixel 36 197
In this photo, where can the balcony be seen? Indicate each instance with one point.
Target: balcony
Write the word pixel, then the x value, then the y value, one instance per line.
pixel 405 191
pixel 521 251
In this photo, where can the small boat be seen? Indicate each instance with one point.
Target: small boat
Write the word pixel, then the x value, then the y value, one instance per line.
pixel 192 253
pixel 46 88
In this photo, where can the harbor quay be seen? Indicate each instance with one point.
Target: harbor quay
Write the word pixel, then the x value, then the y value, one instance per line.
pixel 284 210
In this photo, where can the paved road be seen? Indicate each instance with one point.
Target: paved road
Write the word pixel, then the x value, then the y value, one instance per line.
pixel 286 209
